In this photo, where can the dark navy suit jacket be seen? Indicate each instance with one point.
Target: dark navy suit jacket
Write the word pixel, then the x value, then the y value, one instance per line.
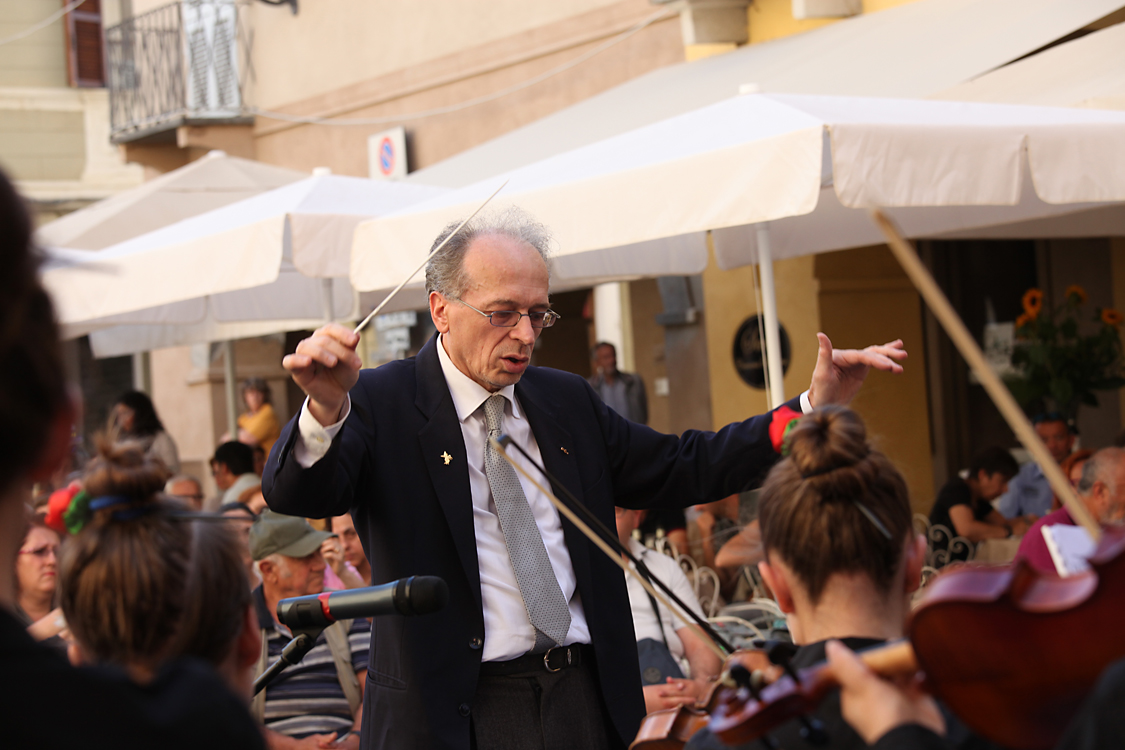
pixel 413 512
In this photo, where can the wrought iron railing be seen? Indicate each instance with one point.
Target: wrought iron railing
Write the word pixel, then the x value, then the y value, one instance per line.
pixel 180 63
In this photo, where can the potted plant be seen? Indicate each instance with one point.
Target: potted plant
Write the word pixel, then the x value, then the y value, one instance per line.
pixel 1063 357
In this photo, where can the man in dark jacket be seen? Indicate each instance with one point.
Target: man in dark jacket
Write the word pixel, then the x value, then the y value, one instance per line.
pixel 624 392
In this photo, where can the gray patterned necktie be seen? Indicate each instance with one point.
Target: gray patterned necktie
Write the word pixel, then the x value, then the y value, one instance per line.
pixel 542 596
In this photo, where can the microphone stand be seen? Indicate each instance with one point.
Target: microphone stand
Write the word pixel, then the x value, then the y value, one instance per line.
pixel 302 643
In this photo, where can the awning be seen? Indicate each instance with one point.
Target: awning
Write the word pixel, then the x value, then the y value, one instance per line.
pixel 1086 72
pixel 913 51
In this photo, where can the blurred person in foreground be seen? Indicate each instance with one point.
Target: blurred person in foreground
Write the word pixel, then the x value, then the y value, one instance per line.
pixel 1101 489
pixel 841 554
pixel 134 418
pixel 143 588
pixel 663 639
pixel 319 701
pixel 103 708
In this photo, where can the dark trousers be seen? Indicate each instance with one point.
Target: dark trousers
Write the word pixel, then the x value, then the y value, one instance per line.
pixel 540 710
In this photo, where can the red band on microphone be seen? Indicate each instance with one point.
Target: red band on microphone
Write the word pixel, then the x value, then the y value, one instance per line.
pixel 323 598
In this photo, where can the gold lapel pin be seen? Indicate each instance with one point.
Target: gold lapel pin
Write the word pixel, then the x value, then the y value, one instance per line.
pixel 564 450
pixel 446 457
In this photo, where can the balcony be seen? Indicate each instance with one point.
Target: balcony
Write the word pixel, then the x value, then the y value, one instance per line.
pixel 180 64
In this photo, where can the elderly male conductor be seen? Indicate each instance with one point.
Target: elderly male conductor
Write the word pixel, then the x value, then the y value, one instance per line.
pixel 535 648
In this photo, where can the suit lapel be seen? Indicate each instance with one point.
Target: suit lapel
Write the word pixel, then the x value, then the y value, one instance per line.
pixel 557 448
pixel 439 438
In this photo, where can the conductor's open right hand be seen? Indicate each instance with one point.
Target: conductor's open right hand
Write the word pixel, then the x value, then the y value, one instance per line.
pixel 325 366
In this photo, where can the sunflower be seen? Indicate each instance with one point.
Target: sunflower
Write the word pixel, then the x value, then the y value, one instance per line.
pixel 1033 302
pixel 1077 293
pixel 1111 317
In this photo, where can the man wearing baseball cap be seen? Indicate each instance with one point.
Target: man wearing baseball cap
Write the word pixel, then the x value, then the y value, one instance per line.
pixel 319 699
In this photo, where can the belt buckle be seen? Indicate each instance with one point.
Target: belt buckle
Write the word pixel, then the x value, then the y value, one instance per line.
pixel 547 659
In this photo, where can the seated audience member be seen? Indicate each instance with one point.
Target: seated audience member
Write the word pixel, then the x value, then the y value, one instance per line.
pixel 37 572
pixel 49 704
pixel 134 418
pixel 1072 470
pixel 663 639
pixel 319 699
pixel 343 553
pixel 667 523
pixel 1029 494
pixel 964 506
pixel 232 466
pixel 242 518
pixel 258 425
pixel 1101 490
pixel 717 524
pixel 841 553
pixel 744 548
pixel 187 489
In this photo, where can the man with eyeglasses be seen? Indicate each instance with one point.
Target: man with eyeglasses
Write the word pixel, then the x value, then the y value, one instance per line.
pixel 535 648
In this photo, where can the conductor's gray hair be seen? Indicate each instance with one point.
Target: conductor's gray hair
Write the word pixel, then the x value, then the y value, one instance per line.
pixel 445 273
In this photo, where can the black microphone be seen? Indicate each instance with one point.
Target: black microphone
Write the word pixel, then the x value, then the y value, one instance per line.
pixel 417 595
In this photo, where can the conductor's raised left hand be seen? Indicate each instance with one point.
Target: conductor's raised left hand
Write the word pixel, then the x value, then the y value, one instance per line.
pixel 839 373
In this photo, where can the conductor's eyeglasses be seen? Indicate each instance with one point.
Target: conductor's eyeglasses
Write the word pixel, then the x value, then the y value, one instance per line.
pixel 511 318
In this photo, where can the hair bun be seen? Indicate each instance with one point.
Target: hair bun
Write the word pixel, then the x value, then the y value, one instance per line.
pixel 124 469
pixel 832 437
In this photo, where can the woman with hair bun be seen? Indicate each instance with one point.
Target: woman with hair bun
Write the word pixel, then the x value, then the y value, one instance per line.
pixel 47 703
pixel 142 584
pixel 841 554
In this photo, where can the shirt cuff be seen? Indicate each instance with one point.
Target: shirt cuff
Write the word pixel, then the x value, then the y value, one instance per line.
pixel 806 405
pixel 314 439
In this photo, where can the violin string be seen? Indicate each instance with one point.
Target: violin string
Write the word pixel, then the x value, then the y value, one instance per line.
pixel 700 627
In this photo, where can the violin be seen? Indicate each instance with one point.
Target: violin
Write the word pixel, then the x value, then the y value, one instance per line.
pixel 671 728
pixel 1010 651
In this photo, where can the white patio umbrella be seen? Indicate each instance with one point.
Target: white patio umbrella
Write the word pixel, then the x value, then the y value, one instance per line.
pixel 274 262
pixel 800 171
pixel 210 182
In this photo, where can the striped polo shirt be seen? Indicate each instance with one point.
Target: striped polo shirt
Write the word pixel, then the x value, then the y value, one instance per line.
pixel 306 698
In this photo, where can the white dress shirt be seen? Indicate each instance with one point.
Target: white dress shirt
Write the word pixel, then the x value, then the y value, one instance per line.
pixel 508 631
pixel 645 622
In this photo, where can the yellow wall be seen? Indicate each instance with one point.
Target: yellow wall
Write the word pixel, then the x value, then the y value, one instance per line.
pixel 773 19
pixel 865 298
pixel 729 297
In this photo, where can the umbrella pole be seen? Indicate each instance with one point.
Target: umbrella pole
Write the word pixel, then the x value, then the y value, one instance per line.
pixel 228 376
pixel 326 300
pixel 769 314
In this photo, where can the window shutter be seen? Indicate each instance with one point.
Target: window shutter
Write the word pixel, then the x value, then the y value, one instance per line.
pixel 85 45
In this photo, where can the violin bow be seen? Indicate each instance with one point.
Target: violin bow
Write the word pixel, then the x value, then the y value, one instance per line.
pixel 697 624
pixel 1001 396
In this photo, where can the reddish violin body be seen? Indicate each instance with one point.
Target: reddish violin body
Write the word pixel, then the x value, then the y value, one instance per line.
pixel 1011 652
pixel 671 728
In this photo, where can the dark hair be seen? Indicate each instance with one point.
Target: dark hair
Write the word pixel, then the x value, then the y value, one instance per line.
pixel 123 576
pixel 257 384
pixel 238 457
pixel 217 594
pixel 32 380
pixel 145 421
pixel 994 460
pixel 234 505
pixel 815 505
pixel 599 345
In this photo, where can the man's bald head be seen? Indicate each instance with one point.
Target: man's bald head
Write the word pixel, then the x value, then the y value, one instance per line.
pixel 1103 485
pixel 445 273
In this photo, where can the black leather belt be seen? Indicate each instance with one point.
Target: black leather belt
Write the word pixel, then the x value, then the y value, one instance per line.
pixel 553 660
